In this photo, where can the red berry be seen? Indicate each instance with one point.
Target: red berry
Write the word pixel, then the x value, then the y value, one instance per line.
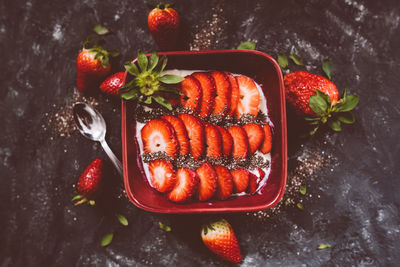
pixel 249 98
pixel 181 133
pixel 112 84
pixel 227 141
pixel 90 181
pixel 191 93
pixel 255 134
pixel 240 179
pixel 208 181
pixel 224 182
pixel 223 97
pixel 213 141
pixel 186 184
pixel 209 91
pixel 267 143
pixel 195 130
pixel 162 175
pixel 240 142
pixel 235 94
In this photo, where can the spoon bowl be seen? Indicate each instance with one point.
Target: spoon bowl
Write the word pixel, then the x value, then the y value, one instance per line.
pixel 92 125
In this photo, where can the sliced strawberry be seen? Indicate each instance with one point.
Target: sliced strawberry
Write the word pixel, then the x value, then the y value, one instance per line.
pixel 213 141
pixel 209 92
pixel 195 130
pixel 240 142
pixel 227 141
pixel 162 174
pixel 240 179
pixel 252 184
pixel 249 97
pixel 255 134
pixel 208 181
pixel 262 173
pixel 181 133
pixel 185 186
pixel 223 97
pixel 267 143
pixel 235 94
pixel 159 136
pixel 224 182
pixel 191 93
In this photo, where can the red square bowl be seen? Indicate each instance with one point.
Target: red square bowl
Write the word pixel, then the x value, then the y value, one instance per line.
pixel 266 72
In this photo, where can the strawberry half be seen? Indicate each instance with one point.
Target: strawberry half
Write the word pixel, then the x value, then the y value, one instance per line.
pixel 186 184
pixel 240 142
pixel 159 136
pixel 253 185
pixel 235 94
pixel 227 141
pixel 240 179
pixel 195 130
pixel 213 141
pixel 267 143
pixel 209 92
pixel 90 181
pixel 249 97
pixel 220 238
pixel 208 181
pixel 190 89
pixel 223 97
pixel 162 175
pixel 224 182
pixel 181 133
pixel 112 84
pixel 255 134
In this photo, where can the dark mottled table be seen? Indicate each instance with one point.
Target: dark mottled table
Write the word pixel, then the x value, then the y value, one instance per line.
pixel 352 177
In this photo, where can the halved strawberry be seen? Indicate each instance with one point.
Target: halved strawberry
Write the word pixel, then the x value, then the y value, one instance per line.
pixel 208 181
pixel 249 97
pixel 255 134
pixel 267 143
pixel 240 179
pixel 262 173
pixel 162 175
pixel 252 184
pixel 195 130
pixel 159 135
pixel 191 93
pixel 235 94
pixel 181 133
pixel 185 186
pixel 213 141
pixel 209 92
pixel 223 97
pixel 224 182
pixel 240 142
pixel 227 141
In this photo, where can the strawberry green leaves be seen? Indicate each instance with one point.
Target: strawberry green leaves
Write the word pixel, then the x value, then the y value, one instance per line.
pixel 164 227
pixel 106 239
pixel 283 61
pixel 147 81
pixel 327 67
pixel 296 59
pixel 247 46
pixel 323 246
pixel 101 30
pixel 334 114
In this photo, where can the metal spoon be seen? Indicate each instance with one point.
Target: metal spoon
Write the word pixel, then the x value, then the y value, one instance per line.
pixel 92 125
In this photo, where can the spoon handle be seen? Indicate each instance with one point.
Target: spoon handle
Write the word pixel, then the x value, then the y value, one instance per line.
pixel 112 156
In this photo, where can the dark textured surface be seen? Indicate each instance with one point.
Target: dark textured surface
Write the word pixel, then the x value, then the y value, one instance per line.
pixel 351 203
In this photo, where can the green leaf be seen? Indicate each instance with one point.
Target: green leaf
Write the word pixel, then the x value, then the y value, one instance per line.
pixel 300 206
pixel 296 59
pixel 323 246
pixel 76 197
pixel 283 61
pixel 164 61
pixel 162 101
pixel 318 104
pixel 127 87
pixel 153 61
pixel 100 30
pixel 114 53
pixel 92 202
pixel 142 61
pixel 164 227
pixel 313 131
pixel 335 125
pixel 287 202
pixel 247 46
pixel 311 118
pixel 327 67
pixel 130 95
pixel 169 89
pixel 88 42
pixel 122 219
pixel 346 117
pixel 349 103
pixel 148 100
pixel 324 96
pixel 131 68
pixel 171 79
pixel 303 189
pixel 106 239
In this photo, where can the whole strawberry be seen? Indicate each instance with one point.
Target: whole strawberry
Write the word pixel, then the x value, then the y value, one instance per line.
pixel 220 239
pixel 112 83
pixel 163 22
pixel 89 182
pixel 318 98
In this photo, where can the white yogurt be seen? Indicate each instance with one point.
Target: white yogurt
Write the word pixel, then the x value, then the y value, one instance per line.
pixel 262 107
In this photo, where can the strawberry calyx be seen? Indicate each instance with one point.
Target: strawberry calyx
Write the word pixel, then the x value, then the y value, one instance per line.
pixel 100 53
pixel 331 112
pixel 148 80
pixel 79 199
